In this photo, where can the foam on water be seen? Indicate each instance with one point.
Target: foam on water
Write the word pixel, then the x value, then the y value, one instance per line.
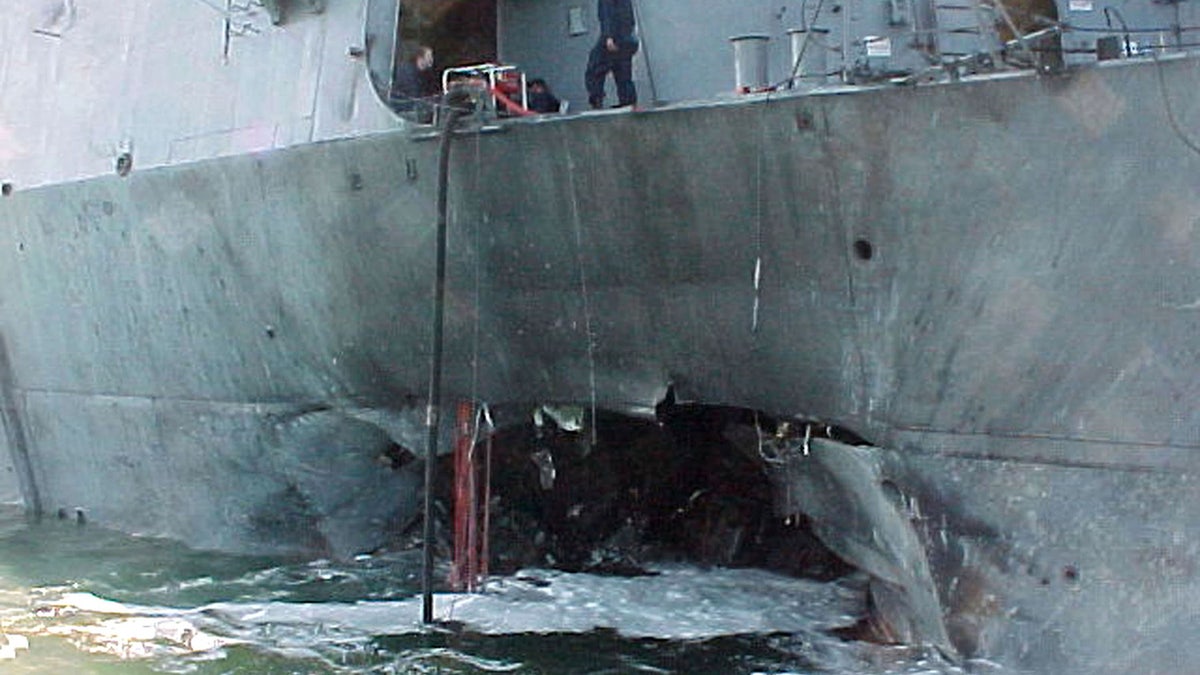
pixel 678 602
pixel 80 598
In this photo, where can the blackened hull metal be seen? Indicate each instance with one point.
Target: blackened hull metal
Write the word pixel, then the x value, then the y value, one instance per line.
pixel 221 352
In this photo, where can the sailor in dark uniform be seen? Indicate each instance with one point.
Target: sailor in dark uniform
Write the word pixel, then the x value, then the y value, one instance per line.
pixel 541 99
pixel 409 95
pixel 613 53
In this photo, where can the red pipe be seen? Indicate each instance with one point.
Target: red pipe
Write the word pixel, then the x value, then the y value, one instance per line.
pixel 511 105
pixel 462 570
pixel 472 494
pixel 485 529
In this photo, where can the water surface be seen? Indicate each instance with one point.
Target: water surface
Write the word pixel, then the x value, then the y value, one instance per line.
pixel 88 600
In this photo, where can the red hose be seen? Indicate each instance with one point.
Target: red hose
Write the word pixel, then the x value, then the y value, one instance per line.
pixel 511 105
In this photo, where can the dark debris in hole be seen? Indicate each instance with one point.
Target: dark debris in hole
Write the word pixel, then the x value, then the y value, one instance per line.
pixel 644 492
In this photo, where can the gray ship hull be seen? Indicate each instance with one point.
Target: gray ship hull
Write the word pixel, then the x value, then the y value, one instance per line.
pixel 994 280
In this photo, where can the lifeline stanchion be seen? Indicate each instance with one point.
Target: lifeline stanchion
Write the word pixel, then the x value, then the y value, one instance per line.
pixel 435 363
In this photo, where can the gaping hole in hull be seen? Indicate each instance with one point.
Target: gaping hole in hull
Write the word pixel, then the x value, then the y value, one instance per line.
pixel 617 494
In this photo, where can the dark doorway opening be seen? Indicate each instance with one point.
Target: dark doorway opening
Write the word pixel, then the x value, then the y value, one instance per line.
pixel 460 32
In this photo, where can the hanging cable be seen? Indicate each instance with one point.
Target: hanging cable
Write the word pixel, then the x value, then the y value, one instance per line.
pixel 479 222
pixel 435 361
pixel 1171 119
pixel 482 413
pixel 758 217
pixel 583 287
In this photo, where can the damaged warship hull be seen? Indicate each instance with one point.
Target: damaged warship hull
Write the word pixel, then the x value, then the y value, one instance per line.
pixel 235 351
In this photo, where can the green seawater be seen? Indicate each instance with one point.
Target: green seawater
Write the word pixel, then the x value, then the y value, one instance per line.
pixel 45 564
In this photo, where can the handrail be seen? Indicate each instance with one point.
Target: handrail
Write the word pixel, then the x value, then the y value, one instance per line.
pixel 490 75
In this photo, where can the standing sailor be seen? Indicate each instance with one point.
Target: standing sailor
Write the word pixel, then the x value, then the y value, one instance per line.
pixel 613 52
